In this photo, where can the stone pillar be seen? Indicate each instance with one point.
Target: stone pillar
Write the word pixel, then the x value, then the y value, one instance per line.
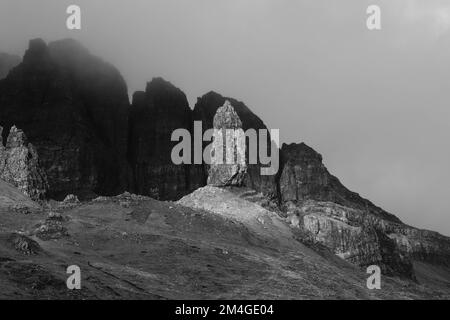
pixel 228 166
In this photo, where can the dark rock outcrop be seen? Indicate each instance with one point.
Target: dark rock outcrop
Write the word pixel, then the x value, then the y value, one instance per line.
pixel 221 173
pixel 304 177
pixel 73 107
pixel 351 226
pixel 7 62
pixel 20 166
pixel 154 115
pixel 205 110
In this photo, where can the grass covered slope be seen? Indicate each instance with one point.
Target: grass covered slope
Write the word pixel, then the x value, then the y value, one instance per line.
pixel 132 247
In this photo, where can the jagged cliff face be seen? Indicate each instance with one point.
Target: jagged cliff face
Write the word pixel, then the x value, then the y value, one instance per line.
pixel 20 166
pixel 7 62
pixel 304 176
pixel 351 226
pixel 205 110
pixel 355 236
pixel 73 108
pixel 364 239
pixel 154 115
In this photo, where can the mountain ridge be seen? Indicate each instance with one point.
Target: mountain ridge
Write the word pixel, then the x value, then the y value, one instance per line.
pixel 91 142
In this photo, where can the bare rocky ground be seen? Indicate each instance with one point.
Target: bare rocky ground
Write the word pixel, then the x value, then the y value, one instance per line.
pixel 212 244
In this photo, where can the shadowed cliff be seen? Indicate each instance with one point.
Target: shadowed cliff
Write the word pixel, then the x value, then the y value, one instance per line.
pixel 73 107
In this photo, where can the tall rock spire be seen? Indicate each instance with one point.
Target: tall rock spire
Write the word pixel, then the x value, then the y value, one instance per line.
pixel 228 167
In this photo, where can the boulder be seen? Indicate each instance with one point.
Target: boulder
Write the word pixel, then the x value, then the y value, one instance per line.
pixel 71 198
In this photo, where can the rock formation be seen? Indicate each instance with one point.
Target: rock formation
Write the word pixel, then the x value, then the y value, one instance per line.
pixel 351 226
pixel 303 177
pixel 73 108
pixel 7 62
pixel 20 166
pixel 222 173
pixel 154 115
pixel 355 236
pixel 205 110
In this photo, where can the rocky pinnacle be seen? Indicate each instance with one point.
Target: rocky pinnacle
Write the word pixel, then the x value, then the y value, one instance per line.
pixel 19 165
pixel 222 172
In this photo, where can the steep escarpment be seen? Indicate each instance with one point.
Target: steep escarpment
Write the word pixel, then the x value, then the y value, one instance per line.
pixel 353 235
pixel 304 177
pixel 73 108
pixel 421 245
pixel 205 110
pixel 7 62
pixel 154 115
pixel 364 239
pixel 351 226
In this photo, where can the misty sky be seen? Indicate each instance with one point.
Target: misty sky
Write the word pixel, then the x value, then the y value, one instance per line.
pixel 375 104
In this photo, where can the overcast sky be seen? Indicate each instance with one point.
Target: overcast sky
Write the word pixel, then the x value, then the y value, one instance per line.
pixel 375 104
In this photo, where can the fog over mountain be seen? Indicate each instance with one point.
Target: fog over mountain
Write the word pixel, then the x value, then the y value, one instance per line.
pixel 374 104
